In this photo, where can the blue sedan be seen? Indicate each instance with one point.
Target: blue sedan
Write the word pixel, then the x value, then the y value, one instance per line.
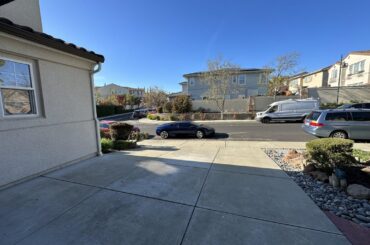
pixel 184 129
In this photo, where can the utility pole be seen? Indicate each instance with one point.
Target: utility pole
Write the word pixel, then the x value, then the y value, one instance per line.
pixel 340 74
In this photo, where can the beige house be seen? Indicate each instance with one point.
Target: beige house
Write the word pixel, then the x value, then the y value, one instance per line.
pixel 47 111
pixel 316 79
pixel 114 89
pixel 355 70
pixel 295 83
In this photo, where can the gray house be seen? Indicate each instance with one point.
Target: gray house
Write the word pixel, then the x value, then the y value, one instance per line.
pixel 47 112
pixel 247 82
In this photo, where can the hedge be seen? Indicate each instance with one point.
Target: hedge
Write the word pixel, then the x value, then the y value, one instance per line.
pixel 108 110
pixel 120 130
pixel 329 153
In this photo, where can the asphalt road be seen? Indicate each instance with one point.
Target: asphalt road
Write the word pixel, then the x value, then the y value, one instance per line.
pixel 250 130
pixel 253 131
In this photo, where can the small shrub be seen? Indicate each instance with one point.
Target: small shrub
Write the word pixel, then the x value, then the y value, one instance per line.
pixel 123 145
pixel 120 130
pixel 160 109
pixel 173 118
pixel 106 145
pixel 330 153
pixel 168 107
pixel 182 104
pixel 153 117
pixel 137 136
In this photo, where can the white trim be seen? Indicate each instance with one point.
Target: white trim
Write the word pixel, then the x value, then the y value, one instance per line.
pixel 32 88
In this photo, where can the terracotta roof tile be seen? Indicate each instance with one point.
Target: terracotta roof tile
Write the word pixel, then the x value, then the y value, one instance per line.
pixel 29 34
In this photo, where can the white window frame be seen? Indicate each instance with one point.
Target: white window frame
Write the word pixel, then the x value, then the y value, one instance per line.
pixel 244 80
pixel 33 88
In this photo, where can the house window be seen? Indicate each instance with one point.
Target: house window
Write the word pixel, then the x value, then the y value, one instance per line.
pixel 191 81
pixel 357 67
pixel 234 79
pixel 17 92
pixel 242 79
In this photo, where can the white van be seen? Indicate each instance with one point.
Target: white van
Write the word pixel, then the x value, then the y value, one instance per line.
pixel 288 110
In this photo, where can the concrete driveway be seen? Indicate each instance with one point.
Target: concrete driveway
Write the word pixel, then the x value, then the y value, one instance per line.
pixel 166 192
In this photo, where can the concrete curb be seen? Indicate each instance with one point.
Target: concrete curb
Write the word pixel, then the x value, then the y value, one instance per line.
pixel 148 121
pixel 107 117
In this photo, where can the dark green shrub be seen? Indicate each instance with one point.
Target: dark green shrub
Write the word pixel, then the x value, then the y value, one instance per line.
pixel 160 109
pixel 329 153
pixel 182 104
pixel 123 145
pixel 168 107
pixel 120 130
pixel 107 110
pixel 106 145
pixel 173 118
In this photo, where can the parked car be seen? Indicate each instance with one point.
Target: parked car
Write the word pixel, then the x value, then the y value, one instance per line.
pixel 288 110
pixel 104 128
pixel 141 113
pixel 339 123
pixel 356 105
pixel 184 128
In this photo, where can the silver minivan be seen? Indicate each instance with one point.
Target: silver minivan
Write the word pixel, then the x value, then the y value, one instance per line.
pixel 288 110
pixel 339 123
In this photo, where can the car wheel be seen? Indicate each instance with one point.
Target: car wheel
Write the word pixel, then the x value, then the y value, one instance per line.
pixel 266 120
pixel 164 134
pixel 339 134
pixel 199 134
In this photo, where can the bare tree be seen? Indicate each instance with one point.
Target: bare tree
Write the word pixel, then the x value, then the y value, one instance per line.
pixel 155 97
pixel 219 82
pixel 283 67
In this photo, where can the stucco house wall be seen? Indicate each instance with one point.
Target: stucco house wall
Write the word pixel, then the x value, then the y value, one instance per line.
pixel 64 129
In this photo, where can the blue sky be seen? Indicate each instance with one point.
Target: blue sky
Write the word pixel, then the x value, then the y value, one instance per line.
pixel 148 43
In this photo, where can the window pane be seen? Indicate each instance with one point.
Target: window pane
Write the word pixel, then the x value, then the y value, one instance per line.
pixel 361 116
pixel 22 69
pixel 336 116
pixel 7 79
pixel 17 101
pixel 14 74
pixel 6 66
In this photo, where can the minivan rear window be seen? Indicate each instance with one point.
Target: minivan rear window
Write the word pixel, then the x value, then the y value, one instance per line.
pixel 314 115
pixel 336 116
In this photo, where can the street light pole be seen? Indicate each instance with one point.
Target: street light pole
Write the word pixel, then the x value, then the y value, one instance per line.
pixel 340 74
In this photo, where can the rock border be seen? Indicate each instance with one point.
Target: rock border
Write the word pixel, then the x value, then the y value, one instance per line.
pixel 326 197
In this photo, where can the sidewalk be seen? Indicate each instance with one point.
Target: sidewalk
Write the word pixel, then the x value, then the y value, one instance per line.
pixel 166 192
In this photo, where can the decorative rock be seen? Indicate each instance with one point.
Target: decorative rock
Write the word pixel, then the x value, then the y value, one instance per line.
pixel 321 176
pixel 366 170
pixel 334 180
pixel 343 183
pixel 358 191
pixel 362 218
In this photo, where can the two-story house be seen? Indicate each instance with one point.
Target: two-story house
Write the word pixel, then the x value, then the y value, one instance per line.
pixel 355 70
pixel 246 82
pixel 114 89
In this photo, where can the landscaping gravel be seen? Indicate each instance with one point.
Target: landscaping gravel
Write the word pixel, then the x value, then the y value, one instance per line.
pixel 324 195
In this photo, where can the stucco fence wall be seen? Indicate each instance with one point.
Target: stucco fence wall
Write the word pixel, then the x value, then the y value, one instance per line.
pixel 64 131
pixel 233 105
pixel 346 94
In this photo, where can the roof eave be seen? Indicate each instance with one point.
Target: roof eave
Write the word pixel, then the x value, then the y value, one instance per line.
pixel 47 41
